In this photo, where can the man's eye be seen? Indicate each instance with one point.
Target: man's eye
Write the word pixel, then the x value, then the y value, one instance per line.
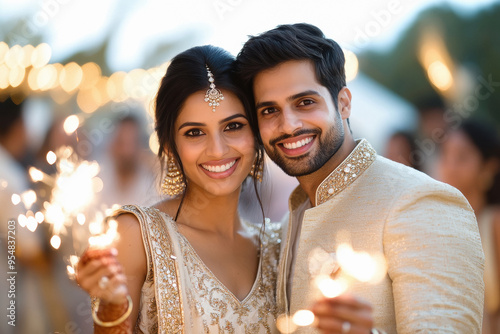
pixel 306 102
pixel 268 111
pixel 193 133
pixel 234 126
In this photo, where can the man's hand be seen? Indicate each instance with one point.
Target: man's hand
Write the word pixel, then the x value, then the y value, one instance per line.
pixel 343 314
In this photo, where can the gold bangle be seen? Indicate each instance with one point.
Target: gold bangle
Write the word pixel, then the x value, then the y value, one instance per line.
pixel 115 322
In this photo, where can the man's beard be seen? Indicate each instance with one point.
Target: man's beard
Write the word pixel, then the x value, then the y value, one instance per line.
pixel 308 163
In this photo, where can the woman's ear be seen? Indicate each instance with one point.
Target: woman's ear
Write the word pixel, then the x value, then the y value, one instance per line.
pixel 344 103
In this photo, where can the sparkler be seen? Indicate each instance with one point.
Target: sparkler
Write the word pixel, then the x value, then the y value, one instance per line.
pixel 70 210
pixel 332 274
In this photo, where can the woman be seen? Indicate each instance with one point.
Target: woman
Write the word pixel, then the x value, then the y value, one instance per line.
pixel 201 268
pixel 470 161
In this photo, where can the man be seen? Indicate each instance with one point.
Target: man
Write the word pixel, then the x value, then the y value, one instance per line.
pixel 425 229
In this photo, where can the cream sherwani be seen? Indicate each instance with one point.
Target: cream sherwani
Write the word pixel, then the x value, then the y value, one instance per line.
pixel 426 230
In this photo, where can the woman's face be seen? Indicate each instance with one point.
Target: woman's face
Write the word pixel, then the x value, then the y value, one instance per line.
pixel 461 164
pixel 217 149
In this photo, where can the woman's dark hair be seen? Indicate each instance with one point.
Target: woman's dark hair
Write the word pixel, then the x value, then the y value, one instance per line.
pixel 186 75
pixel 487 141
pixel 287 42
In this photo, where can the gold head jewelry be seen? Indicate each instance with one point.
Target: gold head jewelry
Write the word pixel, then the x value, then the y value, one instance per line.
pixel 213 95
pixel 173 183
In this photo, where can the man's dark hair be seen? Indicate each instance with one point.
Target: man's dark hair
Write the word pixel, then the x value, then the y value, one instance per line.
pixel 287 42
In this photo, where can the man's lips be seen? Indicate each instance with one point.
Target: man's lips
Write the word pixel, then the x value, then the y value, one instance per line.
pixel 297 145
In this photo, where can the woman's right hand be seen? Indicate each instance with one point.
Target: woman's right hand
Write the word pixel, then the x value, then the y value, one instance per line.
pixel 101 275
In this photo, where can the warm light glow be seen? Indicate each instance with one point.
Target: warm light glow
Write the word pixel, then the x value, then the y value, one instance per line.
pixel 22 220
pixel 71 123
pixel 115 87
pixel 154 146
pixel 88 99
pixel 31 224
pixel 55 241
pixel 303 318
pixel 361 265
pixel 41 55
pixel 107 239
pixel 35 174
pixel 4 76
pixel 80 218
pixel 39 217
pixel 33 78
pixel 331 288
pixel 285 325
pixel 4 48
pixel 71 271
pixel 47 77
pixel 25 61
pixel 28 198
pixel 91 74
pixel 16 76
pixel 351 66
pixel 13 56
pixel 440 76
pixel 71 77
pixel 134 84
pixel 51 157
pixel 16 199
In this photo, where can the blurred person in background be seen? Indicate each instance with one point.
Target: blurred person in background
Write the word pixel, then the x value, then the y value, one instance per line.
pixel 470 161
pixel 401 148
pixel 126 170
pixel 431 129
pixel 29 314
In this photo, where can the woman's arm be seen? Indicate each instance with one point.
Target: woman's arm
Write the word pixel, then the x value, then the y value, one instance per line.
pixel 125 267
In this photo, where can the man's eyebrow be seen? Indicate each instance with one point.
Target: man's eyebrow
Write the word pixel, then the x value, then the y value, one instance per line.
pixel 227 119
pixel 290 98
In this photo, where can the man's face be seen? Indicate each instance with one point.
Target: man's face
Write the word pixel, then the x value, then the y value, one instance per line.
pixel 298 122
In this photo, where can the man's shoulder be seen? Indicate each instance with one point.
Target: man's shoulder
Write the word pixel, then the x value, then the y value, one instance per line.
pixel 405 181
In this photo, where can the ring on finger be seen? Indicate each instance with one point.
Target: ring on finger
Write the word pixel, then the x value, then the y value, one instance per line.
pixel 103 282
pixel 346 327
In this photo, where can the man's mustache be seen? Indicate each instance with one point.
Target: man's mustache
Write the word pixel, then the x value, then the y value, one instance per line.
pixel 297 133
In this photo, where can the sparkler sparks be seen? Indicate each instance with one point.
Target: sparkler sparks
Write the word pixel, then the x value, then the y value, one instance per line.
pixel 332 274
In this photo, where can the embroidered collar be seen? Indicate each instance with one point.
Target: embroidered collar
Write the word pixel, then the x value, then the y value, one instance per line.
pixel 347 172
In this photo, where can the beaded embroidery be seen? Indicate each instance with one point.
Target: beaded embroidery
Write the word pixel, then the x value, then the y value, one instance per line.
pixel 209 301
pixel 347 172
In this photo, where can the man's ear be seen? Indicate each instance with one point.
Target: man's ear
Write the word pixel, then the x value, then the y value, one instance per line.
pixel 344 103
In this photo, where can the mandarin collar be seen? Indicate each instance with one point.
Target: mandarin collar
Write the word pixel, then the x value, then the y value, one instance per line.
pixel 341 177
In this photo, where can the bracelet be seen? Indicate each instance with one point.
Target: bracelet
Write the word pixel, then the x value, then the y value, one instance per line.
pixel 115 322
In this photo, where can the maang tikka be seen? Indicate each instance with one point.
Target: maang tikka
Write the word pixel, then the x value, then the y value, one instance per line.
pixel 213 95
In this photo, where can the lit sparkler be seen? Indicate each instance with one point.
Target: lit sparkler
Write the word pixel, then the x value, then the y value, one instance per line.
pixel 332 274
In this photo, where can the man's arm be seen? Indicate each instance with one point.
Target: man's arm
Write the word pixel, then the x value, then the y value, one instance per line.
pixel 435 260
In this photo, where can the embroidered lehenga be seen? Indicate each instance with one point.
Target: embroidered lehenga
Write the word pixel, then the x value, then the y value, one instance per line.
pixel 181 295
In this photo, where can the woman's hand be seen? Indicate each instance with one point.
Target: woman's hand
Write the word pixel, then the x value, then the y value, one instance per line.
pixel 343 314
pixel 101 275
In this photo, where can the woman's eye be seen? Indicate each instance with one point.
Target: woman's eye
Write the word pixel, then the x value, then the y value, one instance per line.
pixel 234 126
pixel 193 133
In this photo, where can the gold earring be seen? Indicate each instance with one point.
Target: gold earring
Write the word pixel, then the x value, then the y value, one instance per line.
pixel 257 171
pixel 173 183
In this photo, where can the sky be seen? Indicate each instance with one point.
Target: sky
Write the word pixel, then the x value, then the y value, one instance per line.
pixel 136 27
